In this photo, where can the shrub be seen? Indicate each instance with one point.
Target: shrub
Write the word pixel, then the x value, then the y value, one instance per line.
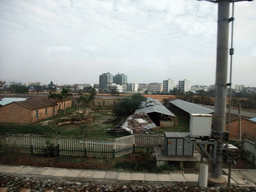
pixel 50 150
pixel 128 105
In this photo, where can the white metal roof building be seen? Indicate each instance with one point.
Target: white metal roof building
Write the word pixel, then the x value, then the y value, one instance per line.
pixel 190 108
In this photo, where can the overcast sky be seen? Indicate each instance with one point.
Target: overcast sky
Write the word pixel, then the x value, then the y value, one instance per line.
pixel 74 41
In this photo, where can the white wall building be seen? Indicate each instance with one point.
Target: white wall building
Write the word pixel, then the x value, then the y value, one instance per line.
pixel 168 85
pixel 184 86
pixel 119 88
pixel 132 87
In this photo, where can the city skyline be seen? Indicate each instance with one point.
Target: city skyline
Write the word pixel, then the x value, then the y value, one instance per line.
pixel 71 42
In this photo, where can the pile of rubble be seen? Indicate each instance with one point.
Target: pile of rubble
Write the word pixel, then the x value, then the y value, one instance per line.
pixel 137 123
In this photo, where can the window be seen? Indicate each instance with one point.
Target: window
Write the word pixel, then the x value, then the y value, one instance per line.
pixel 45 111
pixel 53 110
pixel 36 113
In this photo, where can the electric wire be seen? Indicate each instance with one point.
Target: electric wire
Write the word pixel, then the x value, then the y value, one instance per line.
pixel 230 82
pixel 231 63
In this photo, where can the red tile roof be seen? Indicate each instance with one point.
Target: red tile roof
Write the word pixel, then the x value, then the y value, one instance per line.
pixel 36 104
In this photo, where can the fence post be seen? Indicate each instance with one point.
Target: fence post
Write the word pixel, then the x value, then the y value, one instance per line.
pixel 114 149
pixel 253 160
pixel 85 151
pixel 114 153
pixel 58 146
pixel 58 150
pixel 31 144
pixel 133 144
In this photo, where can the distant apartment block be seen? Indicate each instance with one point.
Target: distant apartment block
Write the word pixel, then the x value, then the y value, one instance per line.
pixel 168 85
pixel 143 86
pixel 239 88
pixel 132 87
pixel 184 86
pixel 155 87
pixel 120 79
pixel 105 80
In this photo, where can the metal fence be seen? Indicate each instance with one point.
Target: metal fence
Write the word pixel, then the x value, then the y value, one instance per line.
pixel 68 146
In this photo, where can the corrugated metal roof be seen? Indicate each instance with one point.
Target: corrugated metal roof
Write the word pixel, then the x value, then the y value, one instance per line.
pixel 157 109
pixel 150 102
pixel 253 119
pixel 191 107
pixel 36 104
pixel 8 100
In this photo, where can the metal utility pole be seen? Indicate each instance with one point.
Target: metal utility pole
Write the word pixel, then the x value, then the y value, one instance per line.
pixel 221 84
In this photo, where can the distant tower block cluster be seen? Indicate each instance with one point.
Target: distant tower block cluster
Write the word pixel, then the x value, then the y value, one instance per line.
pixel 107 82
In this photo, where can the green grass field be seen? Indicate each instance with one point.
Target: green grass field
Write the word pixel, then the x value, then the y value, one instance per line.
pixel 102 120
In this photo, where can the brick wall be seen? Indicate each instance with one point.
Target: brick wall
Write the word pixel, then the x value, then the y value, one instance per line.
pixel 67 104
pixel 248 129
pixel 14 113
pixel 42 115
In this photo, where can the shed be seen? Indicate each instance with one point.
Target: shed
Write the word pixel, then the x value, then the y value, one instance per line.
pixel 189 108
pixel 159 114
pixel 175 144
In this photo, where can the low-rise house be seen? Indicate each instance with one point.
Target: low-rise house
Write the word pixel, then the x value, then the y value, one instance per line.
pixel 30 111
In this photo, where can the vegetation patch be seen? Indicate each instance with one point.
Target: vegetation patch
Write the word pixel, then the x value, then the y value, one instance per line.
pixel 27 129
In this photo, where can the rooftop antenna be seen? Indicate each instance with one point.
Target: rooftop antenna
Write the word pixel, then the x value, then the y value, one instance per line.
pixel 221 86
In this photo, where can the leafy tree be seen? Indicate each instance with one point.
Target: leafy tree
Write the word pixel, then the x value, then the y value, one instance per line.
pixel 18 89
pixel 128 105
pixel 114 91
pixel 38 88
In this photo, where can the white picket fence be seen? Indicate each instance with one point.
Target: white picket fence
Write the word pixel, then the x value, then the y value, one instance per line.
pixel 149 140
pixel 68 146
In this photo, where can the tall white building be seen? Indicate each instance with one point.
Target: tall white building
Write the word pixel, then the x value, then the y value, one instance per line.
pixel 132 87
pixel 168 85
pixel 184 86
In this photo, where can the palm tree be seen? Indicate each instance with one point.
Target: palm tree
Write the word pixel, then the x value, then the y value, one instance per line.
pixel 60 97
pixel 65 93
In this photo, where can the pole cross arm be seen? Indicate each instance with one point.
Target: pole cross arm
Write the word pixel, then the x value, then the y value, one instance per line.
pixel 201 144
